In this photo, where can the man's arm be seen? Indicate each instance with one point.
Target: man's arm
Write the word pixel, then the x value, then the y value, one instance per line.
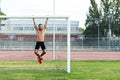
pixel 35 26
pixel 46 22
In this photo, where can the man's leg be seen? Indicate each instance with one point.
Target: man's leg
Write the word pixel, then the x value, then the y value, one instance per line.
pixel 36 53
pixel 43 53
pixel 43 49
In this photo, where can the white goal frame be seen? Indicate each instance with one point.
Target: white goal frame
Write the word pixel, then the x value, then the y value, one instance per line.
pixel 51 17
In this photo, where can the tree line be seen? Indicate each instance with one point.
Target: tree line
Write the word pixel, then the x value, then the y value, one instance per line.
pixel 103 21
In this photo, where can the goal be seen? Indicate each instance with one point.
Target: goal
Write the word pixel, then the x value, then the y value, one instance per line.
pixel 17 34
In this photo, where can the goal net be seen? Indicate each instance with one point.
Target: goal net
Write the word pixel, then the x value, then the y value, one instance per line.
pixel 18 37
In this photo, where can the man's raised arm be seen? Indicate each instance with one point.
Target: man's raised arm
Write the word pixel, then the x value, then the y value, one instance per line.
pixel 46 22
pixel 35 26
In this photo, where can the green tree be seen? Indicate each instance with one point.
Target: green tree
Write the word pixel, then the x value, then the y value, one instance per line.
pixel 106 19
pixel 115 19
pixel 1 13
pixel 92 20
pixel 81 29
pixel 111 14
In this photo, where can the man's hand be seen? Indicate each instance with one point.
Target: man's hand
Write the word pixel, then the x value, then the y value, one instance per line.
pixel 46 23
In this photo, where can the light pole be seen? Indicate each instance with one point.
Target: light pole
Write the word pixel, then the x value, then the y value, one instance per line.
pixel 109 31
pixel 54 30
pixel 97 21
pixel 53 7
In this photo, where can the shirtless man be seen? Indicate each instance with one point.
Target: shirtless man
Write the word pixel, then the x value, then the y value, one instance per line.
pixel 40 32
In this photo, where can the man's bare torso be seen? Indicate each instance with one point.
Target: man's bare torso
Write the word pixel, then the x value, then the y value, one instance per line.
pixel 40 35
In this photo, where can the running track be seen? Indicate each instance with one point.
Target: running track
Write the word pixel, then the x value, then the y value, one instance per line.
pixel 29 55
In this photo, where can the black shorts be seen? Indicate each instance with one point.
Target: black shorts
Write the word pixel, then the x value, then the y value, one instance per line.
pixel 40 44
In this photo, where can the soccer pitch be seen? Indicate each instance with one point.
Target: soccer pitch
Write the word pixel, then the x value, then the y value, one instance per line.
pixel 49 70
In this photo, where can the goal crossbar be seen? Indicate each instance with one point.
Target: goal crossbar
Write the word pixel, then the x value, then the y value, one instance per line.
pixel 41 17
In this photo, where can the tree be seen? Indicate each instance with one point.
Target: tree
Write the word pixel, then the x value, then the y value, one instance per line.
pixel 106 19
pixel 115 19
pixel 1 13
pixel 111 16
pixel 92 17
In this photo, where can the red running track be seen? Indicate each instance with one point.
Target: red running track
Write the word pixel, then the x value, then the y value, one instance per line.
pixel 60 55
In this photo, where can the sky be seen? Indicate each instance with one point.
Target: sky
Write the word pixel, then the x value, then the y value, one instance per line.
pixel 75 9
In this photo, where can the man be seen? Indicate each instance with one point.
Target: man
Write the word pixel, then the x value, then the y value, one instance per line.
pixel 40 33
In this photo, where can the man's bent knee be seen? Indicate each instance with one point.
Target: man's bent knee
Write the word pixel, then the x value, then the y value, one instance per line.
pixel 35 52
pixel 44 51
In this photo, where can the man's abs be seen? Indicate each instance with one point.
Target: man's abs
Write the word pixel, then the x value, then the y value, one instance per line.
pixel 40 36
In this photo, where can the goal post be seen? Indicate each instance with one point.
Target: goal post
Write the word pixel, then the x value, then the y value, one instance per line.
pixel 68 46
pixel 38 17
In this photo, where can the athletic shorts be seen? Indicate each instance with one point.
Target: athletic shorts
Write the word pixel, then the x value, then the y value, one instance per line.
pixel 40 44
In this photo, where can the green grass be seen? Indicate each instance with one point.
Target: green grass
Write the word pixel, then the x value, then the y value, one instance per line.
pixel 54 70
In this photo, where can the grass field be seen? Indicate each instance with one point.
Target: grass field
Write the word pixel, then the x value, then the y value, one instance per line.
pixel 54 70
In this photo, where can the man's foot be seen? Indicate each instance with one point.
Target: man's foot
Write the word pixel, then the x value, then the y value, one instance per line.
pixel 40 60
